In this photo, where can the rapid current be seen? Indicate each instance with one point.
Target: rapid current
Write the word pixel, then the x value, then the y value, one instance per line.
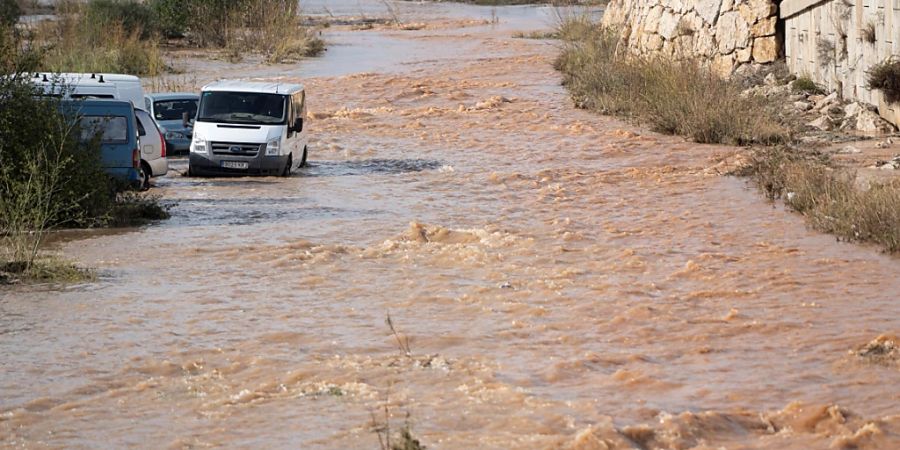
pixel 564 279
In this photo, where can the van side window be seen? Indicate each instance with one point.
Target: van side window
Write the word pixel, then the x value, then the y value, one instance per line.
pixel 141 130
pixel 292 113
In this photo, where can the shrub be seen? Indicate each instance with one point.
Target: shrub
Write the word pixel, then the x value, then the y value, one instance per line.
pixel 807 85
pixel 90 38
pixel 47 177
pixel 831 199
pixel 171 17
pixel 9 12
pixel 673 97
pixel 133 16
pixel 885 77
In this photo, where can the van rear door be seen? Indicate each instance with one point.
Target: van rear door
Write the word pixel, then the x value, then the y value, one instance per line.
pixel 116 132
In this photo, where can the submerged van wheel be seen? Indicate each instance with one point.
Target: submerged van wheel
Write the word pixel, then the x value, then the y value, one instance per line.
pixel 145 176
pixel 287 167
pixel 303 158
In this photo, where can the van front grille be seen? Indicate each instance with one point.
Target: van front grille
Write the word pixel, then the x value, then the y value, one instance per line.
pixel 236 148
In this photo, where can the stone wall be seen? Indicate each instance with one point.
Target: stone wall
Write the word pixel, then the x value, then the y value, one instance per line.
pixel 726 33
pixel 836 42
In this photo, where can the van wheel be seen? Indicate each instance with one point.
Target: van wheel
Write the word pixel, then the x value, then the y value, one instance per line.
pixel 303 158
pixel 287 167
pixel 145 176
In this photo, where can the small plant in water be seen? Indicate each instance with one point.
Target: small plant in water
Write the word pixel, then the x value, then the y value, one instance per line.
pixel 386 439
pixel 402 341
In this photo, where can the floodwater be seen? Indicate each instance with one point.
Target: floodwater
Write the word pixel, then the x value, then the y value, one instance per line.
pixel 564 280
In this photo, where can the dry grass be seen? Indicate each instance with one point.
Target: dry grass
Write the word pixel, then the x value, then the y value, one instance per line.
pixel 536 35
pixel 44 270
pixel 83 42
pixel 831 199
pixel 682 98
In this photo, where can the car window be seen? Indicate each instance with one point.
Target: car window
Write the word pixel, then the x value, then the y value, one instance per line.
pixel 112 129
pixel 174 109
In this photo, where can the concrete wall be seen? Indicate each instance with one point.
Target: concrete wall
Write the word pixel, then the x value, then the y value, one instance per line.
pixel 826 40
pixel 726 33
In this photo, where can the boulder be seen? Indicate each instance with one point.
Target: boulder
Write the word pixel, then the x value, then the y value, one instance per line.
pixel 870 122
pixel 852 110
pixel 826 102
pixel 823 123
pixel 802 106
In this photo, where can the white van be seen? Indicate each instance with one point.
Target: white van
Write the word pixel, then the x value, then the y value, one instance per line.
pixel 247 127
pixel 93 85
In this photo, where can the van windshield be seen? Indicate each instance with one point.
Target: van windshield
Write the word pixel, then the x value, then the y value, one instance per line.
pixel 242 107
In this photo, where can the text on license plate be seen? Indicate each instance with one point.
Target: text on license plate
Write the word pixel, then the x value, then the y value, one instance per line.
pixel 235 164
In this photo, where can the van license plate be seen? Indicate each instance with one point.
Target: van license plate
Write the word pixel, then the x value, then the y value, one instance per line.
pixel 235 164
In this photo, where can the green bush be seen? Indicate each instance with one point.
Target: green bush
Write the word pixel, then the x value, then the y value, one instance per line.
pixel 132 15
pixel 806 85
pixel 885 77
pixel 48 178
pixel 9 12
pixel 171 17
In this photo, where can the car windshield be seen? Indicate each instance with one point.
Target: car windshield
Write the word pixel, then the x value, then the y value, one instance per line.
pixel 175 109
pixel 242 108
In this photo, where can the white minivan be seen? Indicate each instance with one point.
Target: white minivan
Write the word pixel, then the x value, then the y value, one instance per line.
pixel 249 127
pixel 113 86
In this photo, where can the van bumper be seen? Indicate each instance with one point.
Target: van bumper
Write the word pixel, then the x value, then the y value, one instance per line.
pixel 211 165
pixel 127 175
pixel 158 167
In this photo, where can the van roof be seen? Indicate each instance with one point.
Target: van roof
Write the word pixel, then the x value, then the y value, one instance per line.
pixel 82 77
pixel 266 87
pixel 101 106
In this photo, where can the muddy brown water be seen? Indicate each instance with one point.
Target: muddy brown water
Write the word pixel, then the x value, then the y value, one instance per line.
pixel 566 281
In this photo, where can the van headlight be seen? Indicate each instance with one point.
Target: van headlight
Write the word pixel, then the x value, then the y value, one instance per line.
pixel 172 135
pixel 198 145
pixel 273 147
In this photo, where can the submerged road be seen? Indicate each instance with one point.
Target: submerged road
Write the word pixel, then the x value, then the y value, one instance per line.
pixel 564 280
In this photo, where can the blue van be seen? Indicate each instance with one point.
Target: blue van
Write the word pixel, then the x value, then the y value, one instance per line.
pixel 114 121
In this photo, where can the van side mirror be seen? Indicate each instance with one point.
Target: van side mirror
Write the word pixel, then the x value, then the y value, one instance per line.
pixel 185 119
pixel 298 125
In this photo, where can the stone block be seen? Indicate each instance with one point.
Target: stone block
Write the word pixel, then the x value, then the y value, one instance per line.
pixel 765 49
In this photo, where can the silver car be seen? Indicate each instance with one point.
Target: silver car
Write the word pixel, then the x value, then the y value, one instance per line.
pixel 153 148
